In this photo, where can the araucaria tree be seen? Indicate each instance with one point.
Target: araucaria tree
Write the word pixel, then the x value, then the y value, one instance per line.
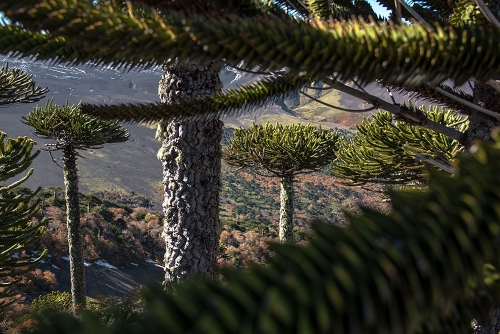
pixel 418 269
pixel 190 155
pixel 71 132
pixel 16 209
pixel 16 212
pixel 297 42
pixel 282 151
pixel 388 152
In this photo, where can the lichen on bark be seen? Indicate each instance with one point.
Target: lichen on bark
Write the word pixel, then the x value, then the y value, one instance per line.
pixel 191 157
pixel 286 209
pixel 75 244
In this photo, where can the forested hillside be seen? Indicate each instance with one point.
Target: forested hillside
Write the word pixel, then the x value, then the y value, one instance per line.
pixel 121 229
pixel 421 258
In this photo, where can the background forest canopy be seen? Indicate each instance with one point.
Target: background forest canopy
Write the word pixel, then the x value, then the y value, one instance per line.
pixel 441 250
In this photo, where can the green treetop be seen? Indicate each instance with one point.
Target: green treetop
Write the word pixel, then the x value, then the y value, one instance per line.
pixel 282 151
pixel 72 131
pixel 388 152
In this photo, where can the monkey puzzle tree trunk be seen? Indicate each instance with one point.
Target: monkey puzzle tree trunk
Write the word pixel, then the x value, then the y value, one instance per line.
pixel 76 265
pixel 480 125
pixel 286 209
pixel 191 159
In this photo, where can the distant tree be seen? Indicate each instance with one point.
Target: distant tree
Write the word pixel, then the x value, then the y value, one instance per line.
pixel 16 212
pixel 73 131
pixel 282 151
pixel 388 152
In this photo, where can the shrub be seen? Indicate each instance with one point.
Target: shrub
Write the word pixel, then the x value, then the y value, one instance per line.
pixel 104 212
pixel 52 303
pixel 140 215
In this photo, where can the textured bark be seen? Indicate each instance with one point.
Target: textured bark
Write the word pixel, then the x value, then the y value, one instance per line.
pixel 191 159
pixel 286 210
pixel 492 328
pixel 480 125
pixel 77 269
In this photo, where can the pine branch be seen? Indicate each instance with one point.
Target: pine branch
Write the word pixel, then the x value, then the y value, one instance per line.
pixel 233 102
pixel 42 46
pixel 397 153
pixel 215 8
pixel 353 48
pixel 16 213
pixel 469 104
pixel 487 13
pixel 17 86
pixel 396 109
pixel 426 93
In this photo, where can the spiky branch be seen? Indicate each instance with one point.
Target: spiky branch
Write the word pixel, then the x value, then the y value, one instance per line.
pixel 16 212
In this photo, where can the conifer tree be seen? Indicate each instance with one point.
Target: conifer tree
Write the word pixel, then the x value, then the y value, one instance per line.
pixel 71 132
pixel 388 152
pixel 16 212
pixel 298 43
pixel 282 151
pixel 428 267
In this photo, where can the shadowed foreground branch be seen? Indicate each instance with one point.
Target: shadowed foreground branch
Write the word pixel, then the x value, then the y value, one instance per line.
pixel 417 270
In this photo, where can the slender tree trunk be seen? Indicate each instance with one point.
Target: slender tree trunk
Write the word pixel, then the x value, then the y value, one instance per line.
pixel 77 268
pixel 191 158
pixel 286 209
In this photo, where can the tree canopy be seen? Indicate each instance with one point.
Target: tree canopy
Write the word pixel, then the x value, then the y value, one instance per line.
pixel 67 125
pixel 384 151
pixel 279 150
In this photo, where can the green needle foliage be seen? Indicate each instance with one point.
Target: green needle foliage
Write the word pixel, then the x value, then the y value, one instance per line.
pixel 273 35
pixel 72 131
pixel 354 48
pixel 16 212
pixel 17 86
pixel 384 151
pixel 67 125
pixel 279 150
pixel 419 269
pixel 235 102
pixel 282 151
